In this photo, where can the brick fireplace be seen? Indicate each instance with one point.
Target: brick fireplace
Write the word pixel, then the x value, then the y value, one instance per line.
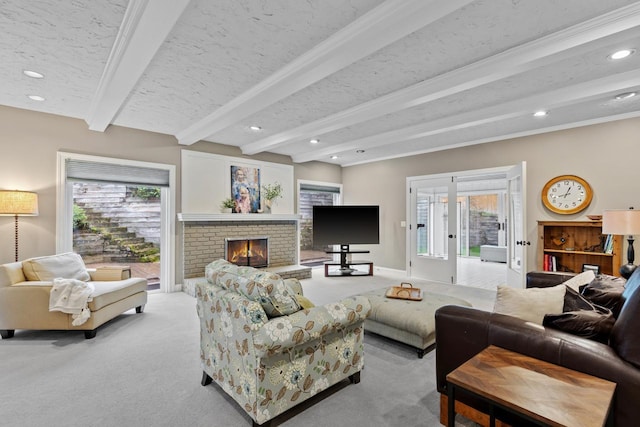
pixel 204 239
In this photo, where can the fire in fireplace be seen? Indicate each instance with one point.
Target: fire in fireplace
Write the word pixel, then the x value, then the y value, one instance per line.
pixel 253 251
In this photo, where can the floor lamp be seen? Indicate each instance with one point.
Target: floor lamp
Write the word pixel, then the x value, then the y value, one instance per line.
pixel 18 203
pixel 623 222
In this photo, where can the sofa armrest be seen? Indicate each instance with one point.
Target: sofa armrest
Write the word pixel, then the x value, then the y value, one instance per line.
pixel 25 305
pixel 11 274
pixel 546 279
pixel 462 332
pixel 460 335
pixel 286 332
pixel 110 273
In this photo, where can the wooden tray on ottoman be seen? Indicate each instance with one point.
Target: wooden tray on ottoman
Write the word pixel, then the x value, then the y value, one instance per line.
pixel 405 292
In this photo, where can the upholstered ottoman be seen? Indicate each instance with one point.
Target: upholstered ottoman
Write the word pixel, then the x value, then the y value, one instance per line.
pixel 410 322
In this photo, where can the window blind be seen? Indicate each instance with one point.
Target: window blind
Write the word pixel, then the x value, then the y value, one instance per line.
pixel 320 188
pixel 86 171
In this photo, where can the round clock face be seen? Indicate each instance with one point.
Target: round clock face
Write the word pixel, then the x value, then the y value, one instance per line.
pixel 566 194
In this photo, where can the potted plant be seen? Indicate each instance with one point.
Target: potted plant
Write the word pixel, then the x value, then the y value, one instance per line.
pixel 271 192
pixel 227 205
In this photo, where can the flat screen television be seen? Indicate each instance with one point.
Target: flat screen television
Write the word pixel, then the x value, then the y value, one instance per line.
pixel 346 225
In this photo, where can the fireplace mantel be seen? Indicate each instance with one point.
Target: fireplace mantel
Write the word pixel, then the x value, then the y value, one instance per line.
pixel 204 217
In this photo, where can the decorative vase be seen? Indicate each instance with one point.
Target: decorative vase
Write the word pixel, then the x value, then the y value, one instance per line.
pixel 267 207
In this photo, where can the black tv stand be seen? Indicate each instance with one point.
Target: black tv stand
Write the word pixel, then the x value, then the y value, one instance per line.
pixel 346 266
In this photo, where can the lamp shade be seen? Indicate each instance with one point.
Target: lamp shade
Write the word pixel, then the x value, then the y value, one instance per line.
pixel 23 203
pixel 621 222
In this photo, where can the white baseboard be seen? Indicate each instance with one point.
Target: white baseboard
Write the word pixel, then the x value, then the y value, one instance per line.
pixel 391 270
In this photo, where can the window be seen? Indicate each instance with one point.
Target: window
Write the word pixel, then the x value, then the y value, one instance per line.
pixel 75 168
pixel 314 194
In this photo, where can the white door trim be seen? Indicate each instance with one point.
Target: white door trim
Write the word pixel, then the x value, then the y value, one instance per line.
pixel 411 179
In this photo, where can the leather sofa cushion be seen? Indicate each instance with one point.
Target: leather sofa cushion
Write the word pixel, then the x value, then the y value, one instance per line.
pixel 625 336
pixel 68 266
pixel 605 291
pixel 546 279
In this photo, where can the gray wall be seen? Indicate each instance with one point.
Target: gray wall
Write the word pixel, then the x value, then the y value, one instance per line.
pixel 29 143
pixel 604 155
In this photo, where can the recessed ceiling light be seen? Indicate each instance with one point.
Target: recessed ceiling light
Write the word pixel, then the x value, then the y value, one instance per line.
pixel 33 74
pixel 359 151
pixel 621 54
pixel 626 95
pixel 540 113
pixel 255 128
pixel 334 157
pixel 36 97
pixel 314 141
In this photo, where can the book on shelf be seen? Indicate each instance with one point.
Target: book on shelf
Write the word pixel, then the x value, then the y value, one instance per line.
pixel 608 244
pixel 550 263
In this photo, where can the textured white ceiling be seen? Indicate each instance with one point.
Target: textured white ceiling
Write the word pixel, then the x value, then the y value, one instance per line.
pixel 392 78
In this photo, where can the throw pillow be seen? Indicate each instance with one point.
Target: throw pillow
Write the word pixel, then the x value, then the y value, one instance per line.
pixel 294 285
pixel 606 291
pixel 580 279
pixel 530 304
pixel 580 317
pixel 573 301
pixel 67 266
pixel 304 302
pixel 274 294
pixel 593 322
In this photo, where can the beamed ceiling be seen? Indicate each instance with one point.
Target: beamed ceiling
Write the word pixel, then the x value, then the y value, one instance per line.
pixel 369 79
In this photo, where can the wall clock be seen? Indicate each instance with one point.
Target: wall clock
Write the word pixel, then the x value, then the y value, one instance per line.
pixel 566 194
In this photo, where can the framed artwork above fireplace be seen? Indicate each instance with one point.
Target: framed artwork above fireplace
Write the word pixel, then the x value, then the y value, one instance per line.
pixel 245 189
pixel 207 180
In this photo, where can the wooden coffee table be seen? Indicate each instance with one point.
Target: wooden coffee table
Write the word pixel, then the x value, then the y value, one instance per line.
pixel 538 391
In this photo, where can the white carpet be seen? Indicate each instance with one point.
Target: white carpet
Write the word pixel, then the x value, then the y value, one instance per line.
pixel 321 290
pixel 144 370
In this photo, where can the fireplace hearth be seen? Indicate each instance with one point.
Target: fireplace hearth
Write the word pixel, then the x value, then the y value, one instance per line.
pixel 253 251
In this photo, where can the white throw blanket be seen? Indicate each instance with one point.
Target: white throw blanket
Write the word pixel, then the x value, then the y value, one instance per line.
pixel 72 296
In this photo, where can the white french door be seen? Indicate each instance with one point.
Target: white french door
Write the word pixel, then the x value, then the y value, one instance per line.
pixel 432 229
pixel 434 223
pixel 517 242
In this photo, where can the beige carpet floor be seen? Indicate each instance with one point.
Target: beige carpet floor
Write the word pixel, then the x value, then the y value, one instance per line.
pixel 143 370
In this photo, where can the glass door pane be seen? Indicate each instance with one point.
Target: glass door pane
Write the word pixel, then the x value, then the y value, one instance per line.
pixel 433 246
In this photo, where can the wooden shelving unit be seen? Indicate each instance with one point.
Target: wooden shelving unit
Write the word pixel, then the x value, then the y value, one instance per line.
pixel 575 243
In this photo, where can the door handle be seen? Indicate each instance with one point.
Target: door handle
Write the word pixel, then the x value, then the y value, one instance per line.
pixel 421 225
pixel 451 236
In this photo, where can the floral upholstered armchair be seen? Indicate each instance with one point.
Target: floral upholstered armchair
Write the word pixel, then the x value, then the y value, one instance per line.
pixel 264 350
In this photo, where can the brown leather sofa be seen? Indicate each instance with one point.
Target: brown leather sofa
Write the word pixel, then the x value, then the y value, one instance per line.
pixel 462 332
